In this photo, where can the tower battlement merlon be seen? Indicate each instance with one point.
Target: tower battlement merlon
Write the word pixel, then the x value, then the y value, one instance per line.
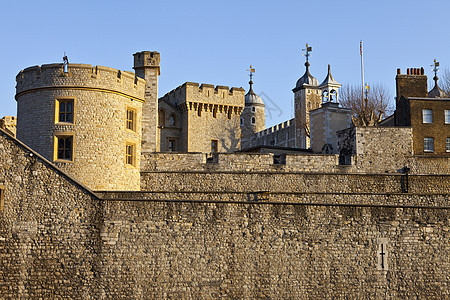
pixel 80 76
pixel 147 59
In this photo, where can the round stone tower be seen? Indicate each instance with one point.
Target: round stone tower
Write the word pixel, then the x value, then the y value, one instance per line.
pixel 253 117
pixel 85 119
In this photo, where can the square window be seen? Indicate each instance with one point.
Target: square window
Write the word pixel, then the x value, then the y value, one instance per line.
pixel 64 110
pixel 447 116
pixel 64 148
pixel 131 119
pixel 214 146
pixel 427 116
pixel 130 154
pixel 172 145
pixel 447 144
pixel 428 144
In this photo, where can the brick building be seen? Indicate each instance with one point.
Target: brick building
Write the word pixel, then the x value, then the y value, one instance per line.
pixel 427 113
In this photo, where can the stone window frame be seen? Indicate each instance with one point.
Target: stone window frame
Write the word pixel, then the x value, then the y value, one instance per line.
pixel 447 144
pixel 57 137
pixel 161 118
pixel 172 120
pixel 2 197
pixel 427 116
pixel 130 154
pixel 174 144
pixel 58 101
pixel 447 116
pixel 428 144
pixel 253 120
pixel 253 109
pixel 130 123
pixel 214 146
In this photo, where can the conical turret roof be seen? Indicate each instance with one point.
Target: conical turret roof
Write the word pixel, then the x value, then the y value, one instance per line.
pixel 329 80
pixel 436 91
pixel 307 79
pixel 251 97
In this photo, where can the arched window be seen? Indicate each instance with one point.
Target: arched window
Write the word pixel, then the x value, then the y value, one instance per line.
pixel 172 120
pixel 242 122
pixel 253 120
pixel 162 118
pixel 333 96
pixel 324 96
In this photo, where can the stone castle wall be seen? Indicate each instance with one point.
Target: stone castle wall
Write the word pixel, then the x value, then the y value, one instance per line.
pixel 48 229
pixel 101 97
pixel 58 240
pixel 280 135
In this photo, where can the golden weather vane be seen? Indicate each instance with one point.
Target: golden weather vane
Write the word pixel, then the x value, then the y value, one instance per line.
pixel 307 51
pixel 435 66
pixel 251 70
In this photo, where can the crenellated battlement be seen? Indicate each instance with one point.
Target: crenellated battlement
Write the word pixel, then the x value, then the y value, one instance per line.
pixel 275 128
pixel 80 76
pixel 206 93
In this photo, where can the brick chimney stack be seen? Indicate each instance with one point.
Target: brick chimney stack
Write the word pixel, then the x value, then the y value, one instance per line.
pixel 413 84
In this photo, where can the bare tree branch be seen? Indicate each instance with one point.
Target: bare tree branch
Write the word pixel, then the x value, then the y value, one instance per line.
pixel 370 111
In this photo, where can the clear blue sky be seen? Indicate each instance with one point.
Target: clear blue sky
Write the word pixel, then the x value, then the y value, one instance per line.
pixel 215 42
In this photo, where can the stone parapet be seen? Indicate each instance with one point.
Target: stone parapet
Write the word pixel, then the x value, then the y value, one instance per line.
pixel 293 182
pixel 80 76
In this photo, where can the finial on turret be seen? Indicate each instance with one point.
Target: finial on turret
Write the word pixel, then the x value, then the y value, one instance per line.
pixel 307 53
pixel 251 70
pixel 435 69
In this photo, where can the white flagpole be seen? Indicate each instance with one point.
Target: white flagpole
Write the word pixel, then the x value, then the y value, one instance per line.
pixel 362 69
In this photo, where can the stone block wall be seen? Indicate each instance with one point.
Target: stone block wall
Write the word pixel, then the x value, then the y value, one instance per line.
pixel 281 135
pixel 377 149
pixel 58 240
pixel 171 250
pixel 48 229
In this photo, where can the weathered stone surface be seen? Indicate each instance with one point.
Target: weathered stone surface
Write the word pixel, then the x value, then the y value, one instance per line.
pixel 59 240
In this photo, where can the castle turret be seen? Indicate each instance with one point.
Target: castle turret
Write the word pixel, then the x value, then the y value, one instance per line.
pixel 330 88
pixel 306 98
pixel 86 119
pixel 253 117
pixel 146 66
